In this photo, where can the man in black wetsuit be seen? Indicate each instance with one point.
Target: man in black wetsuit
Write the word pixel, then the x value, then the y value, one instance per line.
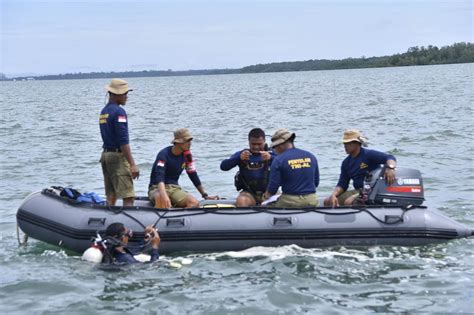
pixel 118 251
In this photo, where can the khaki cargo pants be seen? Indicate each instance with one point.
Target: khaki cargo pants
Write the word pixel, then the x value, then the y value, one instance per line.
pixel 117 175
pixel 296 201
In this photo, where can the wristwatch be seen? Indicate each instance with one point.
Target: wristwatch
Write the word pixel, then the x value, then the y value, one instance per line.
pixel 391 166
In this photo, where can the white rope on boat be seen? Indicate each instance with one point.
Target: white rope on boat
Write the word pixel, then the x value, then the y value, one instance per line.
pixel 25 237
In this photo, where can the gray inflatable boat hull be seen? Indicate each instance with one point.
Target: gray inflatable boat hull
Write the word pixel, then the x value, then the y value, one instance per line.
pixel 59 221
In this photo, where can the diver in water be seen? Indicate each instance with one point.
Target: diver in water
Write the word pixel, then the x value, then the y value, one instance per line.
pixel 254 169
pixel 115 244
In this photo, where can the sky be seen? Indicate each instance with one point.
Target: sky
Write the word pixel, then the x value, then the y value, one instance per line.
pixel 52 36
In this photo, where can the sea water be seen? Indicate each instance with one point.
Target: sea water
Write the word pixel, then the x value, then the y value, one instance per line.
pixel 49 135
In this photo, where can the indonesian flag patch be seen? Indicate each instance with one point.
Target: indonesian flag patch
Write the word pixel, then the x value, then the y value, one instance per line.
pixel 160 163
pixel 122 119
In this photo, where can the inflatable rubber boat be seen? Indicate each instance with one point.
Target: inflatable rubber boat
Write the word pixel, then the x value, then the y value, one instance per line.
pixel 389 215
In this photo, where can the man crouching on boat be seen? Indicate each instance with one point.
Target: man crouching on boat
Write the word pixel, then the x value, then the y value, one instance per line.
pixel 356 166
pixel 164 190
pixel 117 249
pixel 295 170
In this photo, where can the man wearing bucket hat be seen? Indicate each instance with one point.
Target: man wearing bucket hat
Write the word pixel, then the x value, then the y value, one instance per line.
pixel 164 190
pixel 118 165
pixel 295 170
pixel 355 166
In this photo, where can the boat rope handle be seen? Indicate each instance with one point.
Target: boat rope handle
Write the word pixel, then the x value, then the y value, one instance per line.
pixel 265 210
pixel 133 218
pixel 256 211
pixel 159 217
pixel 25 237
pixel 121 210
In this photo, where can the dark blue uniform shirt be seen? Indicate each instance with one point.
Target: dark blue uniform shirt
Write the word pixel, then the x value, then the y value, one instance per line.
pixel 168 167
pixel 253 170
pixel 113 126
pixel 358 167
pixel 296 171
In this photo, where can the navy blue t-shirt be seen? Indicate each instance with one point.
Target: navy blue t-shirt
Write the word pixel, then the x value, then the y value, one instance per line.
pixel 255 169
pixel 296 171
pixel 113 126
pixel 168 167
pixel 358 167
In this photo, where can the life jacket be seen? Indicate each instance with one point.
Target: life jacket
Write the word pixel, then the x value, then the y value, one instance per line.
pixel 77 196
pixel 68 192
pixel 254 186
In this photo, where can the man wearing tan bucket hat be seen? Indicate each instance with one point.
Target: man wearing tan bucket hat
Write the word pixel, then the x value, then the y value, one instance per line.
pixel 164 190
pixel 295 170
pixel 118 165
pixel 355 166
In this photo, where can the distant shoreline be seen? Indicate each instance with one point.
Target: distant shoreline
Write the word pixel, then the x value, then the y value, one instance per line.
pixel 415 56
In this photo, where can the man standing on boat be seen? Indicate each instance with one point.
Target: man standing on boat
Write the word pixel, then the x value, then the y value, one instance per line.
pixel 164 190
pixel 295 170
pixel 254 169
pixel 356 166
pixel 118 165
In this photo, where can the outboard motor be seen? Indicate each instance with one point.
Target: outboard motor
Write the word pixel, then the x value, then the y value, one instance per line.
pixel 406 190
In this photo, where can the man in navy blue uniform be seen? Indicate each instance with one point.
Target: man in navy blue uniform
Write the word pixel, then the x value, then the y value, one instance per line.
pixel 118 165
pixel 295 170
pixel 254 169
pixel 164 190
pixel 356 166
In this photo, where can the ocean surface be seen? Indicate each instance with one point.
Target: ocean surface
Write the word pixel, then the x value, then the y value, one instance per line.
pixel 49 135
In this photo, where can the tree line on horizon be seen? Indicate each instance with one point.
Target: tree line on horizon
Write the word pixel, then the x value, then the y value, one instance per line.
pixel 415 56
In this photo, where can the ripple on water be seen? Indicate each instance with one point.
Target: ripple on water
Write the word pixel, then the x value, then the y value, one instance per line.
pixel 427 130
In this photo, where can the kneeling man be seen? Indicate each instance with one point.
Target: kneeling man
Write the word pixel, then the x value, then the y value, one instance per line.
pixel 164 190
pixel 295 170
pixel 356 166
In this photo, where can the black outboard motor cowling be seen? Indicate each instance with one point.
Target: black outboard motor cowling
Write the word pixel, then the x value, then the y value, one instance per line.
pixel 406 190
